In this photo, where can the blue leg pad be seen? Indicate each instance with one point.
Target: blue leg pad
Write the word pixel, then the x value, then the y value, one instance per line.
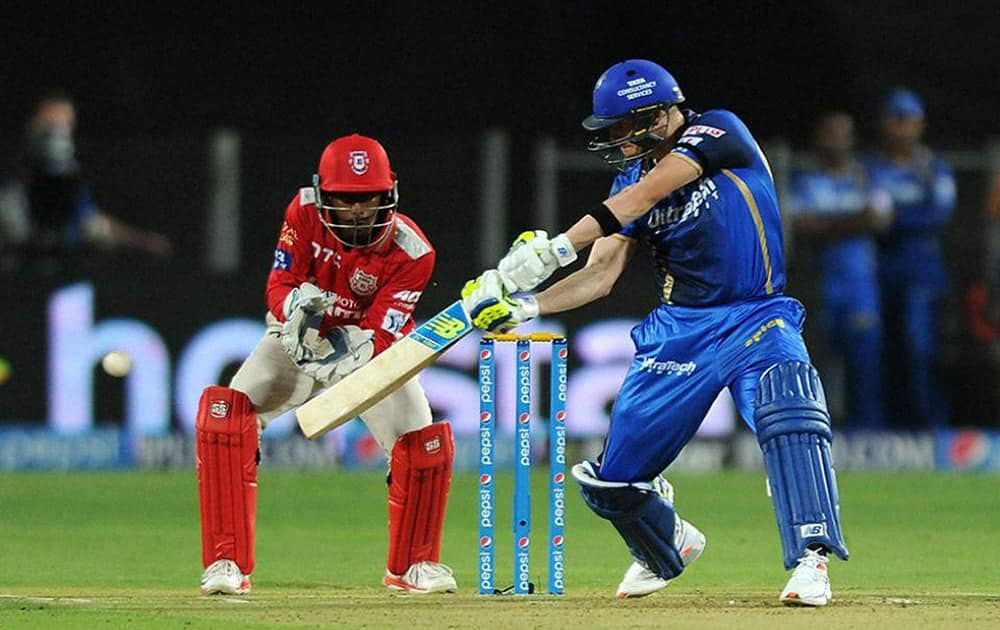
pixel 793 429
pixel 644 519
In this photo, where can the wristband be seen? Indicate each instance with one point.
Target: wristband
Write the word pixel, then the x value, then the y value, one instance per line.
pixel 606 219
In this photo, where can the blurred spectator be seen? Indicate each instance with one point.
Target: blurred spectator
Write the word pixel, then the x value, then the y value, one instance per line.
pixel 993 251
pixel 983 297
pixel 835 209
pixel 47 214
pixel 911 265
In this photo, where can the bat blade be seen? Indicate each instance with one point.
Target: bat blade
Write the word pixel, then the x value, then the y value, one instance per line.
pixel 372 382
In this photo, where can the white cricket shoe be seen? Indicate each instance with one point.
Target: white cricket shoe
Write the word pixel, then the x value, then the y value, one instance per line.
pixel 224 577
pixel 810 582
pixel 422 578
pixel 640 581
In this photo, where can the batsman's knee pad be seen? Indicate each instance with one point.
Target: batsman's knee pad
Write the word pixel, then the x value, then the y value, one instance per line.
pixel 419 479
pixel 643 517
pixel 228 454
pixel 793 429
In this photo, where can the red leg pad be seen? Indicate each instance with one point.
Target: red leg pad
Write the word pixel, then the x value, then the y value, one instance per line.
pixel 420 476
pixel 228 442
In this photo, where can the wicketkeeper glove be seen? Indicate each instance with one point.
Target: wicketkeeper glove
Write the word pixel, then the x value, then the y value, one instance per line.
pixel 533 258
pixel 303 308
pixel 343 350
pixel 490 307
pixel 307 298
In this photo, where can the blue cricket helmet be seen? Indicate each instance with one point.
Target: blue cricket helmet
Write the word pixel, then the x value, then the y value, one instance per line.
pixel 631 85
pixel 903 102
pixel 636 90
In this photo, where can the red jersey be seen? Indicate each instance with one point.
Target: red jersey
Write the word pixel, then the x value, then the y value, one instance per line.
pixel 376 288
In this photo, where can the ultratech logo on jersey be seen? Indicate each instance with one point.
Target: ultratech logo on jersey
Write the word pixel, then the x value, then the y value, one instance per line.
pixel 363 283
pixel 697 200
pixel 669 368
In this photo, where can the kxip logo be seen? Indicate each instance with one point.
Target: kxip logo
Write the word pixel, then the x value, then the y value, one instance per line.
pixel 359 162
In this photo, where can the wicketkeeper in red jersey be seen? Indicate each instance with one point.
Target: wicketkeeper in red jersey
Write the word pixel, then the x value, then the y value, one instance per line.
pixel 348 271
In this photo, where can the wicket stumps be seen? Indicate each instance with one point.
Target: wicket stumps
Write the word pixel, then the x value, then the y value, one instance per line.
pixel 522 462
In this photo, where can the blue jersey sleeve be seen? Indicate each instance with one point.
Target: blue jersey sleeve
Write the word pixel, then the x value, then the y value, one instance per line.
pixel 622 181
pixel 716 140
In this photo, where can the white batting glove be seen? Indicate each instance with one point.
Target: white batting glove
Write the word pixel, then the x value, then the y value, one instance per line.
pixel 343 350
pixel 533 258
pixel 491 309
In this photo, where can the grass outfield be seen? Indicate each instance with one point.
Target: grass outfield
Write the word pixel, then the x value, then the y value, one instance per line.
pixel 117 549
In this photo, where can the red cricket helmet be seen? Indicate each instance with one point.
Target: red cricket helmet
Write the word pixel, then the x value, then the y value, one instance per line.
pixel 352 170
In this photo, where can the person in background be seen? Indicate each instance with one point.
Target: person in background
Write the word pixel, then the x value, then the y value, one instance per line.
pixel 47 213
pixel 834 207
pixel 912 271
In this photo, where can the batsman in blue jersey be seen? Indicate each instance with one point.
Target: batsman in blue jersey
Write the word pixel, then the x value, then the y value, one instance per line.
pixel 697 190
pixel 912 269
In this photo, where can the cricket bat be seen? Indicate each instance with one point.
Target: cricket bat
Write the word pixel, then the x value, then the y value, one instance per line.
pixel 369 384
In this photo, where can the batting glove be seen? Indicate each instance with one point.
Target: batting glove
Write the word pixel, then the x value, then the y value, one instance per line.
pixel 490 307
pixel 533 258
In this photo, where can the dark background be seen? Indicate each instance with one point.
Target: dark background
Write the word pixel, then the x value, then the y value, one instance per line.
pixel 428 79
pixel 399 68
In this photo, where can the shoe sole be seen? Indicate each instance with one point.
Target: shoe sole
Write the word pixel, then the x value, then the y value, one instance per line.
pixel 624 595
pixel 792 599
pixel 242 590
pixel 399 586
